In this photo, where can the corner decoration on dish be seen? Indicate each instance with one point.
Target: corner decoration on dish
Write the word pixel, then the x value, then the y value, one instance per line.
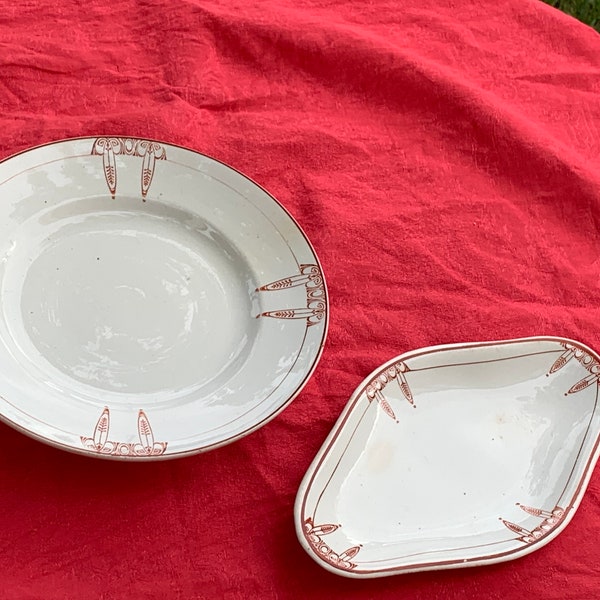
pixel 108 306
pixel 495 422
pixel 109 147
pixel 550 521
pixel 375 387
pixel 314 536
pixel 311 278
pixel 100 443
pixel 580 355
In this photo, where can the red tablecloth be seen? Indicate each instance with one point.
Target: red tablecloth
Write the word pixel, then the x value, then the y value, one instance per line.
pixel 444 158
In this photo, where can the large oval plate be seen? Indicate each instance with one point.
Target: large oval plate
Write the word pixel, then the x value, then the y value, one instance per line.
pixel 154 301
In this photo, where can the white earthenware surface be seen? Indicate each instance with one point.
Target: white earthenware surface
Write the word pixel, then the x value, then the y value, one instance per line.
pixel 154 302
pixel 454 456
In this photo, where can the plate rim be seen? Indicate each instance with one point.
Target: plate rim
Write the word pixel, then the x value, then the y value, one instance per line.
pixel 581 484
pixel 273 414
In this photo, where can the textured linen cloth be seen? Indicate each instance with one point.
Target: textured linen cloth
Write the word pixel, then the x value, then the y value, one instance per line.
pixel 444 159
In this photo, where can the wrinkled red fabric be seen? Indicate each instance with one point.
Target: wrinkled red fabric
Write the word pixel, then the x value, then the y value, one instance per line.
pixel 444 158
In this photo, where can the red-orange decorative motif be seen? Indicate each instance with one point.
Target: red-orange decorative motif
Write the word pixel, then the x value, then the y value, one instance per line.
pixel 100 443
pixel 310 277
pixel 585 360
pixel 314 535
pixel 550 521
pixel 375 387
pixel 109 148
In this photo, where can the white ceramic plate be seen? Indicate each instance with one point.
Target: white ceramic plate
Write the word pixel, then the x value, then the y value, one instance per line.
pixel 154 302
pixel 454 456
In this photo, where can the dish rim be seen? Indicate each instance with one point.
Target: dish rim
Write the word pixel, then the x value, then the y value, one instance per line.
pixel 272 415
pixel 307 481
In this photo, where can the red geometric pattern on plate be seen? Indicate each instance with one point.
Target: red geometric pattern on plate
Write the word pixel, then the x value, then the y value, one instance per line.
pixel 375 387
pixel 550 522
pixel 310 276
pixel 100 443
pixel 108 148
pixel 313 534
pixel 586 361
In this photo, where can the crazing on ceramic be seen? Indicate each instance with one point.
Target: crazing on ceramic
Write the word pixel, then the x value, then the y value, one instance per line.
pixel 135 273
pixel 454 456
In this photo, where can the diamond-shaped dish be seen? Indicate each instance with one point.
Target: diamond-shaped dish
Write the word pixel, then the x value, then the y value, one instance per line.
pixel 454 456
